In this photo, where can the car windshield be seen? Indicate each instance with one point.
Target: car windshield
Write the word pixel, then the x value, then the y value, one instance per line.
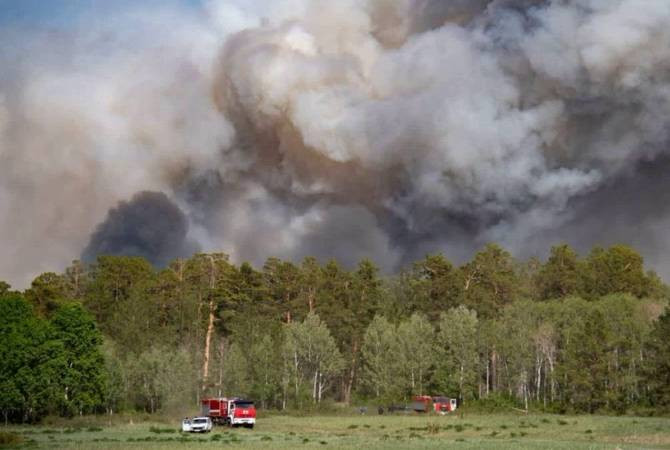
pixel 244 404
pixel 199 420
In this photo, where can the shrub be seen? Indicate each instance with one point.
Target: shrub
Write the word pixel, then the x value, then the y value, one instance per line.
pixel 497 402
pixel 433 428
pixel 7 438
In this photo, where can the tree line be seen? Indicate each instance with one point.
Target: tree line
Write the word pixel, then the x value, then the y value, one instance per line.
pixel 571 333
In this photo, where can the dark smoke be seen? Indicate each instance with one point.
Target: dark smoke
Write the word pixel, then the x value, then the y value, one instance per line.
pixel 352 128
pixel 150 225
pixel 632 208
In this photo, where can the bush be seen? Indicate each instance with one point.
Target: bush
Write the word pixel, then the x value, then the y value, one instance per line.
pixel 433 428
pixel 7 438
pixel 496 402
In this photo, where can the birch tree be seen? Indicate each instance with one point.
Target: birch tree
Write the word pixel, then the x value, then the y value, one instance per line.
pixel 380 363
pixel 456 352
pixel 315 355
pixel 415 352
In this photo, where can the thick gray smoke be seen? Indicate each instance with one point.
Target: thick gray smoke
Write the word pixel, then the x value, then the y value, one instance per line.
pixel 381 128
pixel 149 225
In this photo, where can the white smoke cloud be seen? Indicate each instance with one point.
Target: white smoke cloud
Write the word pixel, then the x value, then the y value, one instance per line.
pixel 340 129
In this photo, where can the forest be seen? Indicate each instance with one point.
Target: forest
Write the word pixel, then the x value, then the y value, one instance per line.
pixel 577 334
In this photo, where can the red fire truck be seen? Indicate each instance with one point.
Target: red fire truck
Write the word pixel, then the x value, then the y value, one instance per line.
pixel 439 404
pixel 230 411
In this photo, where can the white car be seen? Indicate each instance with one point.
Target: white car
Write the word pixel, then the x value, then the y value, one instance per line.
pixel 196 425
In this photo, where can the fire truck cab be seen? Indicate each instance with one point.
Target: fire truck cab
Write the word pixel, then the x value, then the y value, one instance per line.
pixel 444 405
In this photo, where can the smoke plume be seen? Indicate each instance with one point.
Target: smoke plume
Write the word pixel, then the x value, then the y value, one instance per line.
pixel 344 129
pixel 149 225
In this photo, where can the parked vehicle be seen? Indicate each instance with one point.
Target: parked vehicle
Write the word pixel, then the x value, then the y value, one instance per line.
pixel 438 404
pixel 196 425
pixel 230 411
pixel 444 405
pixel 186 425
pixel 424 404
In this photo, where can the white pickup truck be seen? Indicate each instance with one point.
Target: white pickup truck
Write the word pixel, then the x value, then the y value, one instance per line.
pixel 196 425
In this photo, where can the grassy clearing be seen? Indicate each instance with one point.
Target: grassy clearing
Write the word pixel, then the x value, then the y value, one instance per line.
pixel 371 432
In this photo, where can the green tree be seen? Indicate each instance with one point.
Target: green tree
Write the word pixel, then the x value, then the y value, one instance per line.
pixel 160 377
pixel 583 367
pixel 208 277
pixel 379 354
pixel 490 281
pixel 627 331
pixel 314 354
pixel 618 269
pixel 399 298
pixel 30 363
pixel 560 276
pixel 416 340
pixel 243 304
pixel 265 366
pixel 84 380
pixel 516 350
pixel 115 389
pixel 656 289
pixel 354 314
pixel 311 281
pixel 114 283
pixel 236 372
pixel 283 282
pixel 658 370
pixel 47 292
pixel 76 278
pixel 457 353
pixel 437 286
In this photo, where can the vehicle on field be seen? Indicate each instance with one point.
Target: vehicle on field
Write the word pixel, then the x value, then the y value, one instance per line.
pixel 423 404
pixel 230 411
pixel 444 404
pixel 196 425
pixel 438 404
pixel 186 425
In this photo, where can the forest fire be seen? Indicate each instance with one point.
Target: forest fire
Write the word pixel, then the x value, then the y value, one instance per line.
pixel 392 128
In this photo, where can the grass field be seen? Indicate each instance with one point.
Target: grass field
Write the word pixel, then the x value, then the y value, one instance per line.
pixel 370 432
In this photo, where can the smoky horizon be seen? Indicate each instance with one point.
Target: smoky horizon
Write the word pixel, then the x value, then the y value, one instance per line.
pixel 341 130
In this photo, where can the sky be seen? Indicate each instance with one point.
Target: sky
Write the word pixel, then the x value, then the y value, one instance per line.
pixel 62 13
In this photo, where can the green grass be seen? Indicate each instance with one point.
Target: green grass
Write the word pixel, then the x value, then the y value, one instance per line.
pixel 473 431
